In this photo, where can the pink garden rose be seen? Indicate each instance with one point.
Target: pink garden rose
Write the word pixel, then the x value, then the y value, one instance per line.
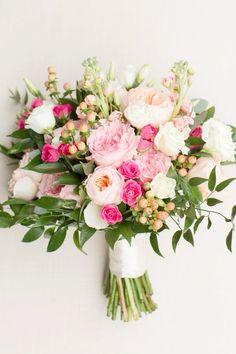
pixel 112 143
pixel 131 191
pixel 62 110
pixel 36 103
pixel 49 153
pixel 67 192
pixel 48 187
pixel 104 185
pixel 151 163
pixel 129 169
pixel 111 214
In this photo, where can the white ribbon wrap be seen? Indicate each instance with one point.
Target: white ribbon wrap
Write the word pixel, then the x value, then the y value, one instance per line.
pixel 129 261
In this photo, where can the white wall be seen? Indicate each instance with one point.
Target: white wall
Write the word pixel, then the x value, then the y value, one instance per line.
pixel 52 303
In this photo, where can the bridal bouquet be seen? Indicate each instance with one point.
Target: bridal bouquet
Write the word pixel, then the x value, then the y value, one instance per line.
pixel 123 158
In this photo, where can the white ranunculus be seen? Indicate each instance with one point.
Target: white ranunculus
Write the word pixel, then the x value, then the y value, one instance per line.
pixel 92 216
pixel 41 119
pixel 163 187
pixel 130 75
pixel 218 138
pixel 170 140
pixel 25 188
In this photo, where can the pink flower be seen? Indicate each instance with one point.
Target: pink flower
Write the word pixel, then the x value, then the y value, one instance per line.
pixel 129 169
pixel 90 100
pixel 186 106
pixel 36 103
pixel 151 163
pixel 148 132
pixel 48 187
pixel 62 110
pixel 111 214
pixel 131 191
pixel 182 123
pixel 21 123
pixel 63 149
pixel 144 144
pixel 112 143
pixel 67 192
pixel 197 132
pixel 115 115
pixel 49 153
pixel 104 185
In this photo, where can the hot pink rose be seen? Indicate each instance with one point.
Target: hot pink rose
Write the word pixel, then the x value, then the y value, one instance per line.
pixel 151 163
pixel 129 169
pixel 131 191
pixel 63 149
pixel 67 192
pixel 21 123
pixel 48 187
pixel 49 153
pixel 111 214
pixel 62 110
pixel 104 186
pixel 112 143
pixel 36 103
pixel 148 132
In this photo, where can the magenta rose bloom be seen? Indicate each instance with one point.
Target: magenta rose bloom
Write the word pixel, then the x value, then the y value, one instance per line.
pixel 129 169
pixel 197 132
pixel 63 149
pixel 62 110
pixel 111 214
pixel 49 153
pixel 148 132
pixel 131 191
pixel 36 103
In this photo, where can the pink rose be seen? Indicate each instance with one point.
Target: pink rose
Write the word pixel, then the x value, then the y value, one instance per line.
pixel 148 132
pixel 67 192
pixel 129 169
pixel 49 153
pixel 131 191
pixel 151 163
pixel 63 149
pixel 36 103
pixel 197 132
pixel 104 185
pixel 112 143
pixel 48 187
pixel 62 110
pixel 21 123
pixel 111 214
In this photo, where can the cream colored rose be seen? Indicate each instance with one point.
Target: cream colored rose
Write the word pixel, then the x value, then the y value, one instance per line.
pixel 41 119
pixel 163 187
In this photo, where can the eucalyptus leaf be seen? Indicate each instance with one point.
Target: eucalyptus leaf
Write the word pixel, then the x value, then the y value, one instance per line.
pixel 49 168
pixel 195 181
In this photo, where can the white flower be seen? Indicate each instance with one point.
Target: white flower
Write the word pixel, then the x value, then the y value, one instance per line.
pixel 92 216
pixel 41 119
pixel 170 140
pixel 163 187
pixel 130 75
pixel 218 138
pixel 25 188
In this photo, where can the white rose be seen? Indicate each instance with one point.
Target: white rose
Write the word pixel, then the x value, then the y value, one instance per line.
pixel 163 187
pixel 92 216
pixel 170 140
pixel 25 188
pixel 130 75
pixel 41 119
pixel 218 138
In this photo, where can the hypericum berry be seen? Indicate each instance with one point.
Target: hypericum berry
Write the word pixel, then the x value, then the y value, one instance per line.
pixel 174 157
pixel 146 186
pixel 83 128
pixel 157 225
pixel 70 126
pixel 181 158
pixel 154 204
pixel 51 77
pixel 148 210
pixel 81 146
pixel 64 134
pixel 66 86
pixel 192 159
pixel 170 206
pixel 143 203
pixel 51 70
pixel 162 215
pixel 149 194
pixel 183 172
pixel 143 219
pixel 73 149
pixel 83 105
pixel 91 117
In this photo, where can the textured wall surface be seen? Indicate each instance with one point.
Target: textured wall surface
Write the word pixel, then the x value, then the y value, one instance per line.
pixel 52 303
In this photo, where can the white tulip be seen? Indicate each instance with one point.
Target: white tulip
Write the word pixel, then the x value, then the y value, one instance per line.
pixel 25 188
pixel 92 217
pixel 41 119
pixel 163 187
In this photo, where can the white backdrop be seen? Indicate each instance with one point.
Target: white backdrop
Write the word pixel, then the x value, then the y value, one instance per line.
pixel 52 303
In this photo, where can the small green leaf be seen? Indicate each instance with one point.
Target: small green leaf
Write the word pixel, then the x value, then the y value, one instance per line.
pixel 212 179
pixel 49 203
pixel 69 178
pixel 188 222
pixel 21 146
pixel 209 223
pixel 20 134
pixel 194 141
pixel 188 236
pixel 213 201
pixel 5 220
pixel 197 223
pixel 49 232
pixel 195 181
pixel 125 229
pixel 112 235
pixel 88 167
pixel 233 212
pixel 33 234
pixel 175 239
pixel 57 239
pixel 49 168
pixel 139 228
pixel 46 220
pixel 199 105
pixel 154 244
pixel 224 184
pixel 85 234
pixel 229 240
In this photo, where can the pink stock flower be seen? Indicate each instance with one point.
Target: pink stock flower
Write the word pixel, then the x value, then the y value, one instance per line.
pixel 49 153
pixel 111 214
pixel 148 132
pixel 129 169
pixel 63 149
pixel 182 123
pixel 36 103
pixel 21 123
pixel 151 163
pixel 186 106
pixel 112 143
pixel 131 191
pixel 62 110
pixel 90 100
pixel 67 192
pixel 115 115
pixel 48 187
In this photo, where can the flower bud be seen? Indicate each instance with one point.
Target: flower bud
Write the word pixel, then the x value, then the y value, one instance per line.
pixel 183 172
pixel 143 203
pixel 51 77
pixel 91 117
pixel 162 215
pixel 143 220
pixel 111 73
pixel 70 126
pixel 192 159
pixel 170 206
pixel 51 70
pixel 146 186
pixel 142 73
pixel 148 210
pixel 66 86
pixel 181 158
pixel 83 105
pixel 72 149
pixel 83 128
pixel 157 225
pixel 81 146
pixel 149 194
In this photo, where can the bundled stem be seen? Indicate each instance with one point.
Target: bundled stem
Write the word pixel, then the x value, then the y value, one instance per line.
pixel 131 296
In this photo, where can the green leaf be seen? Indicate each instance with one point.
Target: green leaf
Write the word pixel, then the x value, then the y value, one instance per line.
pixel 233 212
pixel 213 201
pixel 112 235
pixel 78 168
pixel 46 220
pixel 188 236
pixel 197 223
pixel 37 138
pixel 154 243
pixel 139 228
pixel 224 184
pixel 21 146
pixel 5 219
pixel 69 178
pixel 125 229
pixel 49 203
pixel 188 222
pixel 195 181
pixel 35 161
pixel 85 234
pixel 229 240
pixel 175 239
pixel 33 234
pixel 88 167
pixel 49 232
pixel 15 201
pixel 49 168
pixel 57 239
pixel 20 134
pixel 199 105
pixel 209 223
pixel 194 141
pixel 212 179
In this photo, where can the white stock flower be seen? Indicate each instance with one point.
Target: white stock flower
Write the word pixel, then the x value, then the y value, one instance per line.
pixel 170 140
pixel 25 188
pixel 218 138
pixel 92 217
pixel 41 119
pixel 163 187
